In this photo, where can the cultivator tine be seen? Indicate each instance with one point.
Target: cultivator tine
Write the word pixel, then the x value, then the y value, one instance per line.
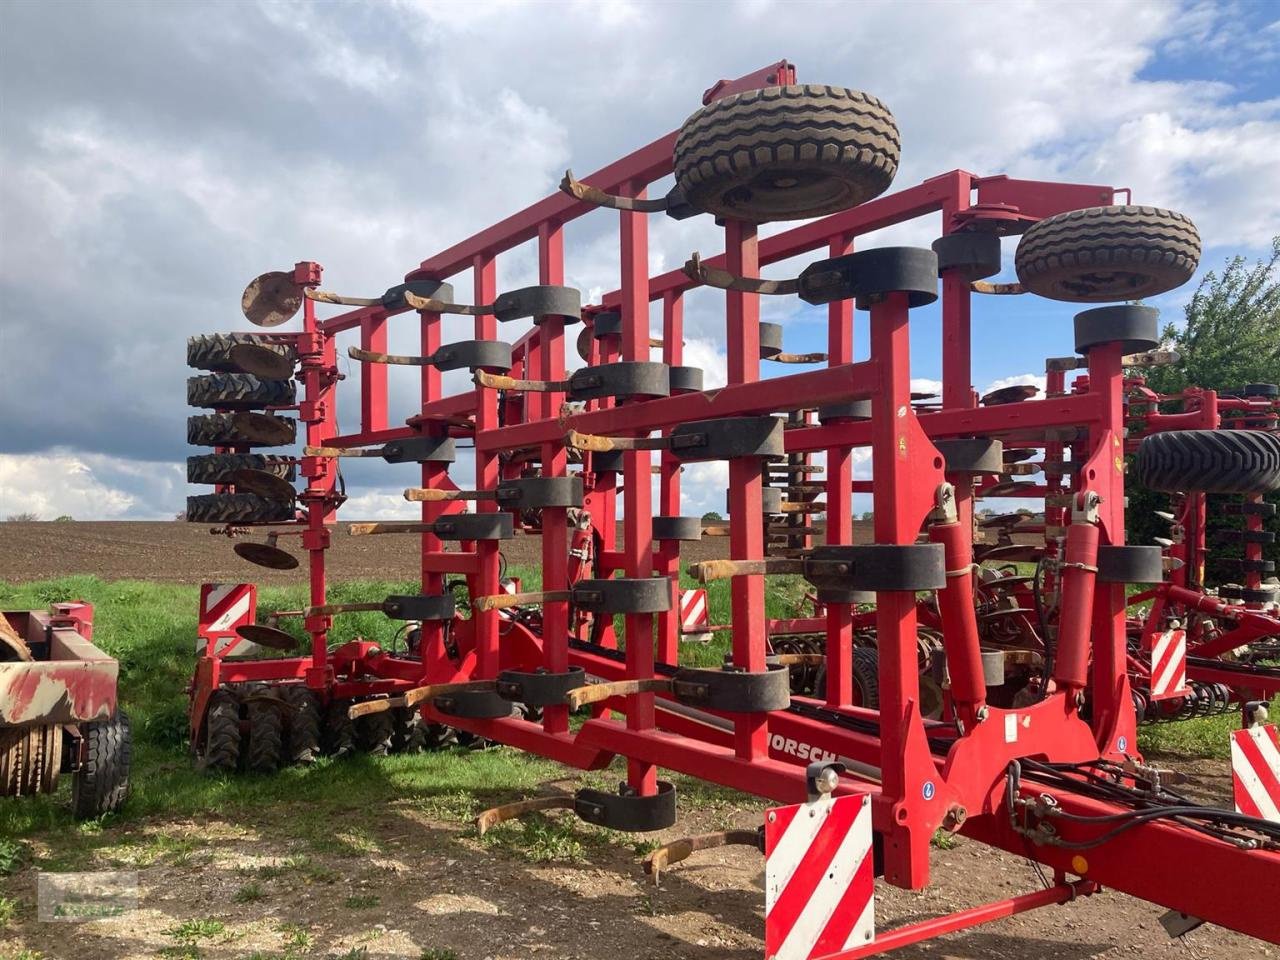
pixel 997 289
pixel 368 356
pixel 815 506
pixel 709 570
pixel 679 850
pixel 327 296
pixel 329 609
pixel 432 305
pixel 496 381
pixel 411 698
pixel 341 451
pixel 488 819
pixel 598 692
pixel 710 276
pixel 594 195
pixel 271 299
pixel 599 444
pixel 503 601
pixel 1151 358
pixel 371 529
pixel 426 495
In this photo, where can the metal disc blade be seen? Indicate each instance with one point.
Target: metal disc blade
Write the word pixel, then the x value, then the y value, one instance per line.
pixel 265 636
pixel 1014 552
pixel 1002 520
pixel 263 483
pixel 261 361
pixel 584 344
pixel 1010 455
pixel 271 299
pixel 263 428
pixel 265 555
pixel 1015 394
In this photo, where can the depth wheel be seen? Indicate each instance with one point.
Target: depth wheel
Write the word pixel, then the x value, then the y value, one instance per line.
pixel 266 734
pixel 376 733
pixel 101 785
pixel 339 729
pixel 786 153
pixel 221 753
pixel 1210 461
pixel 302 725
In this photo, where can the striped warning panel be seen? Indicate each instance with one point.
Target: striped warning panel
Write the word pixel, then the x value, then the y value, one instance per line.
pixel 693 612
pixel 1169 665
pixel 1255 771
pixel 819 876
pixel 223 607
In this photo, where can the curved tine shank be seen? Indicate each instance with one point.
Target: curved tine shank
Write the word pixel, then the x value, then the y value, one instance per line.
pixel 594 195
pixel 368 356
pixel 710 276
pixel 327 296
pixel 431 305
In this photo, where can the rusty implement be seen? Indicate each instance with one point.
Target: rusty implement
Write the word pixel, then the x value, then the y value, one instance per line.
pixel 263 428
pixel 70 681
pixel 597 692
pixel 599 444
pixel 412 698
pixel 709 570
pixel 696 270
pixel 512 811
pixel 265 636
pixel 680 850
pixel 271 299
pixel 12 646
pixel 1014 394
pixel 594 195
pixel 997 289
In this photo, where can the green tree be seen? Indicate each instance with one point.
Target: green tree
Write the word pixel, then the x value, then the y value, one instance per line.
pixel 1230 337
pixel 711 516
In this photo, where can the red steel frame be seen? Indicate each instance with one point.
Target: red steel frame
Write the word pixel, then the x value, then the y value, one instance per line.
pixel 915 787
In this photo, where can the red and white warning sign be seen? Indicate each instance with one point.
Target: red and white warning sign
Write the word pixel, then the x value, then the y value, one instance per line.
pixel 693 612
pixel 223 607
pixel 819 878
pixel 1255 771
pixel 1169 665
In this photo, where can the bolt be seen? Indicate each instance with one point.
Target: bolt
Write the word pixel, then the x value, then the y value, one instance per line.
pixel 981 713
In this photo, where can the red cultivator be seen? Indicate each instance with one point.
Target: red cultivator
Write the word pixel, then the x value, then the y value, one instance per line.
pixel 1048 769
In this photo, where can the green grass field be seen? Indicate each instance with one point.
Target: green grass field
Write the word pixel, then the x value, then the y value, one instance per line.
pixel 150 628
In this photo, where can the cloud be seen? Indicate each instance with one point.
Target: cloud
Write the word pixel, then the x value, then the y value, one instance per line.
pixel 158 157
pixel 1036 380
pixel 87 487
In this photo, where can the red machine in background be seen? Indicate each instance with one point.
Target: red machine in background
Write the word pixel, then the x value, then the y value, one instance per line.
pixel 1054 775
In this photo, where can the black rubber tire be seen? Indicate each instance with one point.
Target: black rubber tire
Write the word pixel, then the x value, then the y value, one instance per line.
pixel 1210 461
pixel 101 785
pixel 301 725
pixel 376 733
pixel 239 391
pixel 237 508
pixel 218 467
pixel 219 430
pixel 741 156
pixel 866 679
pixel 266 735
pixel 212 351
pixel 221 752
pixel 408 731
pixel 339 730
pixel 1105 254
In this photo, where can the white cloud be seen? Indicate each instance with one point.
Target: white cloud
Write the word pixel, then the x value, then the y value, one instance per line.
pixel 87 487
pixel 1036 380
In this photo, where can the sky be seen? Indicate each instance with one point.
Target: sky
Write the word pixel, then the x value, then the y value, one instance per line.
pixel 156 157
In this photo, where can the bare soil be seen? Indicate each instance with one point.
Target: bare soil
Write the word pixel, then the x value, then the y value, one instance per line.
pixel 415 882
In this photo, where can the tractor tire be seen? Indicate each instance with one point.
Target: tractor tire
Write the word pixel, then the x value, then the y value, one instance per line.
pixel 866 679
pixel 302 725
pixel 239 391
pixel 221 752
pixel 218 467
pixel 786 153
pixel 238 508
pixel 212 351
pixel 1210 461
pixel 101 785
pixel 339 730
pixel 376 733
pixel 221 430
pixel 1105 254
pixel 409 733
pixel 266 734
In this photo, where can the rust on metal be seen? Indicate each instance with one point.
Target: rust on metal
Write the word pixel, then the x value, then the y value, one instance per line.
pixel 798 358
pixel 327 296
pixel 263 428
pixel 700 272
pixel 430 495
pixel 510 811
pixel 997 289
pixel 496 381
pixel 709 570
pixel 12 646
pixel 501 601
pixel 1014 394
pixel 432 305
pixel 411 698
pixel 596 692
pixel 271 299
pixel 678 850
pixel 594 195
pixel 369 529
pixel 263 483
